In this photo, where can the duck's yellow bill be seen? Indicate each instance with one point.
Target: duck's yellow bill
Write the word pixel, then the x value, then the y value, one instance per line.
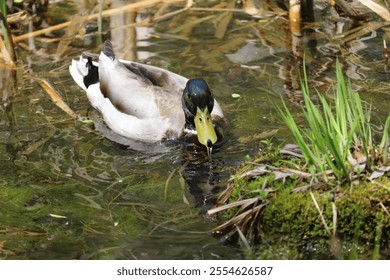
pixel 205 128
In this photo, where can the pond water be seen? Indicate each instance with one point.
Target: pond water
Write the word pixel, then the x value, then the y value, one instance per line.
pixel 68 192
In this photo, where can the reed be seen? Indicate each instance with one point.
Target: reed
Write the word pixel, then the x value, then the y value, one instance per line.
pixel 338 136
pixel 7 51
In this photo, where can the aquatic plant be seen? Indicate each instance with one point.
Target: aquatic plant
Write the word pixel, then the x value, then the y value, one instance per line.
pixel 339 135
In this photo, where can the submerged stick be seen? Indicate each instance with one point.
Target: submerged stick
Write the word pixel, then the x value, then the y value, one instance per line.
pixel 166 186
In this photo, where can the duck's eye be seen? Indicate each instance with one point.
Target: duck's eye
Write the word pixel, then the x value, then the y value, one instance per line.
pixel 200 119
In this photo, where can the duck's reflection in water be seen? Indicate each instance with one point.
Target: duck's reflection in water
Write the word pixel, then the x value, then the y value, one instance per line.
pixel 205 177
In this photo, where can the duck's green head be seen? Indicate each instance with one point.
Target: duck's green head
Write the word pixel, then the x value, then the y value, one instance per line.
pixel 198 102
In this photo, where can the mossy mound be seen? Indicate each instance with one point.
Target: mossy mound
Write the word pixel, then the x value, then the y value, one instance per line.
pixel 275 206
pixel 359 213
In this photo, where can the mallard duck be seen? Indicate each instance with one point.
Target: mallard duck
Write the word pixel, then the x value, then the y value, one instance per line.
pixel 147 103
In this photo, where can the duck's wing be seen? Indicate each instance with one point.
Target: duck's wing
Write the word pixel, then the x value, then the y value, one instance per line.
pixel 148 130
pixel 217 111
pixel 168 86
pixel 137 89
pixel 152 148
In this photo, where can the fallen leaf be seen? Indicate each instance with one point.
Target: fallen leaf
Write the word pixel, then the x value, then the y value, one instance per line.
pixel 379 172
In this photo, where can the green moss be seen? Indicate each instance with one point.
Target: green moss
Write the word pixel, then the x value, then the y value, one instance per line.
pixel 290 219
pixel 358 214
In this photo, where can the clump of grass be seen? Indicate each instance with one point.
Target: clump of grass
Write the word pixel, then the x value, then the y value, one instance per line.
pixel 339 135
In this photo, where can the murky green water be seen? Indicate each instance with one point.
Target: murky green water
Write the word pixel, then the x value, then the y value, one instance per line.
pixel 68 192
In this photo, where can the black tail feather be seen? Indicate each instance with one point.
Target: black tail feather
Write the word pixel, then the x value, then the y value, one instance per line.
pixel 108 50
pixel 93 74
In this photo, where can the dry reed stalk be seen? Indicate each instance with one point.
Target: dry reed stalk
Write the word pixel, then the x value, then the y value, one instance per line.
pixel 321 215
pixel 242 219
pixel 17 17
pixel 157 17
pixel 8 66
pixel 384 208
pixel 346 7
pixel 7 47
pixel 107 13
pixel 243 239
pixel 224 22
pixel 4 53
pixel 55 97
pixel 334 209
pixel 242 203
pixel 360 31
pixel 294 14
pixel 250 7
pixel 75 24
pixel 376 8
